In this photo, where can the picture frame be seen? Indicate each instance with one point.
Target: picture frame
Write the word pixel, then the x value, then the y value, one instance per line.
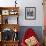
pixel 5 12
pixel 10 20
pixel 30 13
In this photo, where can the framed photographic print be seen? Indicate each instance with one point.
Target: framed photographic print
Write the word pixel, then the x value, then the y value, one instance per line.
pixel 5 12
pixel 30 13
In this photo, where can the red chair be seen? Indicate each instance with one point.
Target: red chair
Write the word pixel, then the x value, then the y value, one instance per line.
pixel 29 33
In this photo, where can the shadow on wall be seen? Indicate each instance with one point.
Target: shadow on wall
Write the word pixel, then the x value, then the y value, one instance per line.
pixel 37 29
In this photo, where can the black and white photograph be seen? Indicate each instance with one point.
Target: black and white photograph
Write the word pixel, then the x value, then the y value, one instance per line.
pixel 30 13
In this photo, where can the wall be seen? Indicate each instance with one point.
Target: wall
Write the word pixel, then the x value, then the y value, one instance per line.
pixel 27 3
pixel 37 30
pixel 39 12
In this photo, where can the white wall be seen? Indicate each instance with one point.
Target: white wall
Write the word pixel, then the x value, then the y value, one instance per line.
pixel 27 3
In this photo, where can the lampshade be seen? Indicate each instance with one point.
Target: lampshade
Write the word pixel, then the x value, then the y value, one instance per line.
pixel 15 30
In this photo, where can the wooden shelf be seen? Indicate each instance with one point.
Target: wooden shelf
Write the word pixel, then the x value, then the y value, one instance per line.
pixel 4 13
pixel 10 26
pixel 9 8
pixel 9 43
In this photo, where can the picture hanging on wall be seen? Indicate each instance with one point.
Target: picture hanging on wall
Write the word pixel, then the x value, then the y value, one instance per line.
pixel 30 13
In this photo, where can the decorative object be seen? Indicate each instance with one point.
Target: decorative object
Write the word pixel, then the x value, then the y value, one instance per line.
pixel 30 13
pixel 15 3
pixel 15 37
pixel 13 12
pixel 5 12
pixel 31 41
pixel 7 34
pixel 30 38
pixel 6 21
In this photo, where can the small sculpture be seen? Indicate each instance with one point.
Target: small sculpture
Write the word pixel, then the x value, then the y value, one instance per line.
pixel 6 21
pixel 15 3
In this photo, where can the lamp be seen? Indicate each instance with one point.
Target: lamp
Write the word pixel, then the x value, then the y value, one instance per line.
pixel 15 35
pixel 15 30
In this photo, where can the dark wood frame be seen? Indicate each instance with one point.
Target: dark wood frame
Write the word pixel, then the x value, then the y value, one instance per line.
pixel 26 13
pixel 15 9
pixel 10 26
